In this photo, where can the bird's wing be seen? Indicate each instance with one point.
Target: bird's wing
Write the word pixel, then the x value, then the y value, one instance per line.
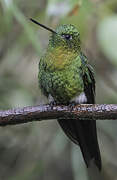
pixel 89 84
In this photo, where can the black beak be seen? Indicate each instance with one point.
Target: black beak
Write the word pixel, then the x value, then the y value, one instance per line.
pixel 45 27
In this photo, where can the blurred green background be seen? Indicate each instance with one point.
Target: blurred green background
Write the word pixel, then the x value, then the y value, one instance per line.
pixel 40 150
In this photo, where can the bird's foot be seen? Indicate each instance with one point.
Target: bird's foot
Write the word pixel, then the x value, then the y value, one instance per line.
pixel 72 105
pixel 54 103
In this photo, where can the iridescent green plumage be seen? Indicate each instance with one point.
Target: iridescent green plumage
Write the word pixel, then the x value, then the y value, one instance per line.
pixel 61 69
pixel 66 76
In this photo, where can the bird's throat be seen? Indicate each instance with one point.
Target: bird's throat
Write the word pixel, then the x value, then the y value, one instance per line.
pixel 59 58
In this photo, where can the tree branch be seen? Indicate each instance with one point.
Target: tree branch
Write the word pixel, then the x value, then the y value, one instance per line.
pixel 46 112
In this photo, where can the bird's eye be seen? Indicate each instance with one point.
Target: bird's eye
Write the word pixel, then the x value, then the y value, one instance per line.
pixel 67 36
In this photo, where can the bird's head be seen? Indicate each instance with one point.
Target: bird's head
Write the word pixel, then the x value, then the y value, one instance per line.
pixel 65 36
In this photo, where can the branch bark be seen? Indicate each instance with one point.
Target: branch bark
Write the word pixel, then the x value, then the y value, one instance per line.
pixel 46 112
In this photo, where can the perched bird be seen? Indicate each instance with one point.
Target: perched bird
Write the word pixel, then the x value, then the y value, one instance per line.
pixel 65 77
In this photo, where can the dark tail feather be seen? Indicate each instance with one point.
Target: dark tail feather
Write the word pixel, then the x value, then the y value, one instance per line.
pixel 84 133
pixel 87 138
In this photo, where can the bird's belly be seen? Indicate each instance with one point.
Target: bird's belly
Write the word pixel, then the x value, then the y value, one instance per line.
pixel 65 86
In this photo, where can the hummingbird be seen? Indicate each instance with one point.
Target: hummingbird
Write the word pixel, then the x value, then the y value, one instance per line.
pixel 66 78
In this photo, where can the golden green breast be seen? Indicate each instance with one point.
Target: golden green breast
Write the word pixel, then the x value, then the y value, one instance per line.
pixel 58 59
pixel 62 79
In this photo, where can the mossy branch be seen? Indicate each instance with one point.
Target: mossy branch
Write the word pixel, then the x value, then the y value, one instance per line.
pixel 46 112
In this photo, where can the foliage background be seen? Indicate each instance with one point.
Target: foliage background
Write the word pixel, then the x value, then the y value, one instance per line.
pixel 41 150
